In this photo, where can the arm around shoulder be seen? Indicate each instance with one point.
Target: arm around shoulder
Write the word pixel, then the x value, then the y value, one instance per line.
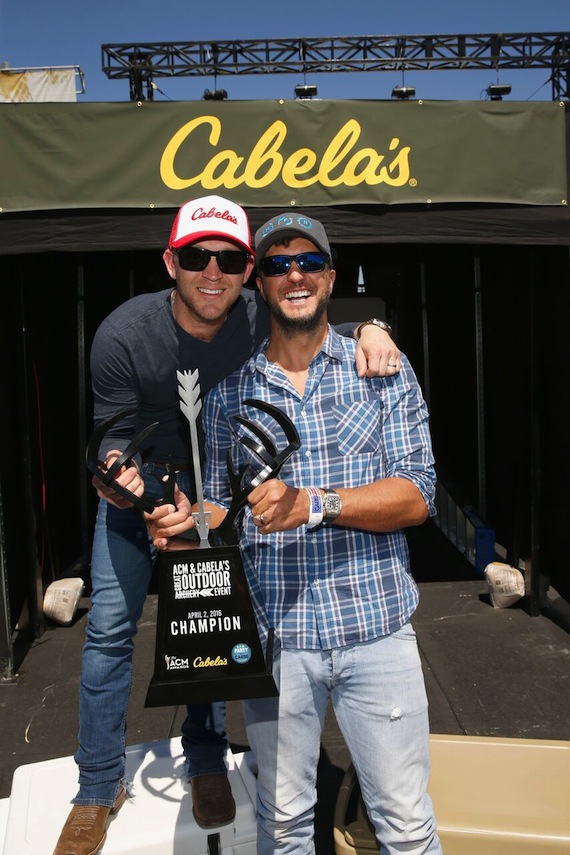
pixel 377 354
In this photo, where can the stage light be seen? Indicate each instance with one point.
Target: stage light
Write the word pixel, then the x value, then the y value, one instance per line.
pixel 216 95
pixel 305 90
pixel 496 91
pixel 403 92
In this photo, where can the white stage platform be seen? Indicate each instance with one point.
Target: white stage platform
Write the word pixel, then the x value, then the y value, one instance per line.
pixel 157 821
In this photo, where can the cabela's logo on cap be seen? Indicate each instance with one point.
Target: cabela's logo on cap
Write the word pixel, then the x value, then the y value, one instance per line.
pixel 213 213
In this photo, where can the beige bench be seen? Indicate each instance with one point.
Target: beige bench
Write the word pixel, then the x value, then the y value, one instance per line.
pixel 492 796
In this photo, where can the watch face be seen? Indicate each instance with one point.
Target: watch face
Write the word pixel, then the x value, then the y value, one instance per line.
pixel 331 505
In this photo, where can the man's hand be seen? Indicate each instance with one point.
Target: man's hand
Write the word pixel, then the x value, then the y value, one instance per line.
pixel 277 507
pixel 376 354
pixel 128 477
pixel 168 522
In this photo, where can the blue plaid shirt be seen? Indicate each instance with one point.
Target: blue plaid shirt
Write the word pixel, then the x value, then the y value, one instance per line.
pixel 331 586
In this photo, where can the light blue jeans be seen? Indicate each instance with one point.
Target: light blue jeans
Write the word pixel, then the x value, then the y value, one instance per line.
pixel 121 568
pixel 378 695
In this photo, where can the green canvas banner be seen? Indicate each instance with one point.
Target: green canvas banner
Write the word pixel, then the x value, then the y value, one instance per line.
pixel 56 156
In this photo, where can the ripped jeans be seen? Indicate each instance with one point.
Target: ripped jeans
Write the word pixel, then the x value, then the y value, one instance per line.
pixel 378 694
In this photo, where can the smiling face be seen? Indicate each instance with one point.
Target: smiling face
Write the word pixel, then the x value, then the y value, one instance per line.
pixel 297 300
pixel 204 297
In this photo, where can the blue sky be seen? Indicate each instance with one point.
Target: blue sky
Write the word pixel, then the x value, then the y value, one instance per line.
pixel 35 34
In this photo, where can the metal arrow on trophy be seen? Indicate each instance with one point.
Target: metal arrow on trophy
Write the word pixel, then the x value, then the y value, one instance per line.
pixel 191 405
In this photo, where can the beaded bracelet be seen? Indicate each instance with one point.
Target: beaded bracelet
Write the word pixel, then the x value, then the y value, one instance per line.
pixel 316 507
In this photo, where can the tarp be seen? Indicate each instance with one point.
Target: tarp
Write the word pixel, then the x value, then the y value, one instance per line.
pixel 99 177
pixel 281 153
pixel 114 230
pixel 41 84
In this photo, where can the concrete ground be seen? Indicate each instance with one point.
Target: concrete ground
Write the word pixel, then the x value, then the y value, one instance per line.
pixel 489 672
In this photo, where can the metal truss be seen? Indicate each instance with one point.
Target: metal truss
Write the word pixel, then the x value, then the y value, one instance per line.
pixel 142 63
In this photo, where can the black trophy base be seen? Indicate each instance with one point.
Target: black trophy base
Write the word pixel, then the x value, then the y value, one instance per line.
pixel 207 644
pixel 170 693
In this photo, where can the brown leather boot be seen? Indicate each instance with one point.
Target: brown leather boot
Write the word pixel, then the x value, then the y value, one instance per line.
pixel 213 803
pixel 85 829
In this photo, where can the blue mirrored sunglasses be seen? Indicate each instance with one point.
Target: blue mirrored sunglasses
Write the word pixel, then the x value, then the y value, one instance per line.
pixel 279 265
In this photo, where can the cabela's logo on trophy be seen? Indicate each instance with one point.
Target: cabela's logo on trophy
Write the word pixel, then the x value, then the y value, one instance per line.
pixel 207 644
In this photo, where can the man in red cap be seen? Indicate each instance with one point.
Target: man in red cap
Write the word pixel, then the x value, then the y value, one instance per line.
pixel 208 322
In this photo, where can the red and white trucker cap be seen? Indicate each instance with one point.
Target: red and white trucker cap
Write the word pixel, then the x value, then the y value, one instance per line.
pixel 211 217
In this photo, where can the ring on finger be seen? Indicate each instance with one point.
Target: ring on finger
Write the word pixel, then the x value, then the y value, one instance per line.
pixel 261 519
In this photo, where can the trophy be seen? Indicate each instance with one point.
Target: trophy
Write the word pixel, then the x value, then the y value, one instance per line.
pixel 207 644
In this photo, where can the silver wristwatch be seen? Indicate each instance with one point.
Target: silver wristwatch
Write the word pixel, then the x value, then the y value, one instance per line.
pixel 331 506
pixel 375 322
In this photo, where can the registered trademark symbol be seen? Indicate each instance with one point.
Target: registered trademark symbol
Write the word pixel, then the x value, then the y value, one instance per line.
pixel 413 182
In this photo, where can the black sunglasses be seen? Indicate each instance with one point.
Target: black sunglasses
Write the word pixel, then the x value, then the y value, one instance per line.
pixel 196 258
pixel 279 265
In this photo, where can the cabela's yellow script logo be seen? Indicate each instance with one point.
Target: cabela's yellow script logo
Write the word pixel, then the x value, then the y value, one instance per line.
pixel 342 163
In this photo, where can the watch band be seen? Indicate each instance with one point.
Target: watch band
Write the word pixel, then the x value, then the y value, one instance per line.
pixel 377 322
pixel 316 510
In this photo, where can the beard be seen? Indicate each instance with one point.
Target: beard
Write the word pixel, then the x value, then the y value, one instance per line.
pixel 291 326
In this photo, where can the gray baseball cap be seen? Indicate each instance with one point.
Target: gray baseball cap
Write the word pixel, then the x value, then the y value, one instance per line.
pixel 290 225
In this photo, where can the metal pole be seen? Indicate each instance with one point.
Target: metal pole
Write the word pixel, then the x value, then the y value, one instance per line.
pixel 532 573
pixel 425 333
pixel 82 404
pixel 480 383
pixel 6 649
pixel 32 618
